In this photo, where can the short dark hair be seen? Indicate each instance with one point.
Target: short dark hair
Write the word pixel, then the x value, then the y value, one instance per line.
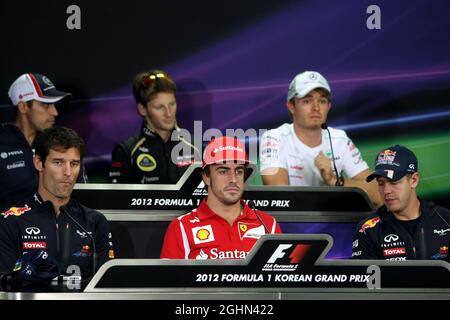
pixel 143 92
pixel 57 138
pixel 207 171
pixel 16 107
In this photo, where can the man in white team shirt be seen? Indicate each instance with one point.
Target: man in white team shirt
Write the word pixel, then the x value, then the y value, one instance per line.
pixel 299 153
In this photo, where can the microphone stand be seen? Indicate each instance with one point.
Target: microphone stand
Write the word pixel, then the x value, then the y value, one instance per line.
pixel 252 206
pixel 94 254
pixel 338 179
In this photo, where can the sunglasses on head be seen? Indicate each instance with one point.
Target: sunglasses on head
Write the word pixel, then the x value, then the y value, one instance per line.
pixel 151 78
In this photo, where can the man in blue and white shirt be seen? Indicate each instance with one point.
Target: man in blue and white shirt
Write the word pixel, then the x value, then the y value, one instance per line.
pixel 299 153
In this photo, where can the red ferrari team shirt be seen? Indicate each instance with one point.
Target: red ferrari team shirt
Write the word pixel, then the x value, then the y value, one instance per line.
pixel 202 234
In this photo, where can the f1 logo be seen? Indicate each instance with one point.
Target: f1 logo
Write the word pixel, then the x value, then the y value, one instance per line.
pixel 279 252
pixel 296 255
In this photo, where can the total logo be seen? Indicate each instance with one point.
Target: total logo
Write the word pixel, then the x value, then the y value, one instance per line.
pixel 286 253
pixel 394 251
pixel 34 245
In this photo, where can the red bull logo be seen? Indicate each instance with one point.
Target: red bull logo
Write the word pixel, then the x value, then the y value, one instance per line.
pixel 386 156
pixel 369 224
pixel 388 153
pixel 15 211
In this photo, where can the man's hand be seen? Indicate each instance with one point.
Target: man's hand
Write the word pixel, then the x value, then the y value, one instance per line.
pixel 323 163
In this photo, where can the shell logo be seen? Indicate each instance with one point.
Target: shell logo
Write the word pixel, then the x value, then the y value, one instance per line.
pixel 202 234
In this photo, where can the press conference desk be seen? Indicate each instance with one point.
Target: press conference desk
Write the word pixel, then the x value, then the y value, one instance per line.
pixel 140 214
pixel 244 294
pixel 273 270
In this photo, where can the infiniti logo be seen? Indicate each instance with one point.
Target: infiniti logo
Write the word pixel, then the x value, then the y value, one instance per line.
pixel 33 231
pixel 390 238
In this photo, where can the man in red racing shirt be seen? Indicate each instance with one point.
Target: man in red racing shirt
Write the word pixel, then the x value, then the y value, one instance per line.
pixel 223 226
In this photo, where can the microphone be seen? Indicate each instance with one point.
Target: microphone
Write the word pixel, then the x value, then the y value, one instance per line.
pixel 94 254
pixel 324 126
pixel 65 256
pixel 252 206
pixel 423 251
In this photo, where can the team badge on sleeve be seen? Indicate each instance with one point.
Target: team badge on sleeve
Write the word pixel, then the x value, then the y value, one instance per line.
pixel 15 211
pixel 369 224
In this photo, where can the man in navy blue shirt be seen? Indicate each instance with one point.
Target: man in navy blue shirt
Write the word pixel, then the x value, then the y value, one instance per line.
pixel 405 227
pixel 50 220
pixel 33 97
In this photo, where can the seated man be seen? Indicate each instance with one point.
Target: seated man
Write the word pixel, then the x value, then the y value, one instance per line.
pixel 33 97
pixel 223 226
pixel 405 227
pixel 147 157
pixel 300 153
pixel 50 220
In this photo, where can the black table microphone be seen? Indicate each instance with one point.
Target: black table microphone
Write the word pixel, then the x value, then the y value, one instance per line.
pixel 324 126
